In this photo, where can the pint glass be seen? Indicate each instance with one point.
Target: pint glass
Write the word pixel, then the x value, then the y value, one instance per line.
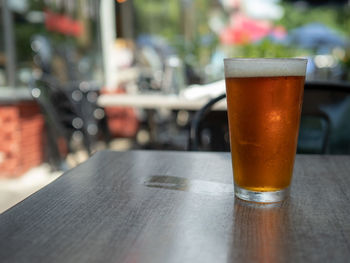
pixel 264 99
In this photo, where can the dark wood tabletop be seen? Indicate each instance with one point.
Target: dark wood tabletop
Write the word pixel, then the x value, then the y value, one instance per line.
pixel 152 206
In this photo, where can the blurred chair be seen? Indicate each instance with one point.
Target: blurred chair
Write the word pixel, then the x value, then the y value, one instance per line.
pixel 209 129
pixel 70 107
pixel 324 125
pixel 57 136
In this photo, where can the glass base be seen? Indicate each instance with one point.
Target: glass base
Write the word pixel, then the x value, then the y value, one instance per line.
pixel 261 197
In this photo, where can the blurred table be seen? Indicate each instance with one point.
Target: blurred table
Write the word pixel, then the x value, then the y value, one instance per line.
pixel 170 102
pixel 151 206
pixel 11 94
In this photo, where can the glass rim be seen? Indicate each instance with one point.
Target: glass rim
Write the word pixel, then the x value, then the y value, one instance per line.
pixel 264 67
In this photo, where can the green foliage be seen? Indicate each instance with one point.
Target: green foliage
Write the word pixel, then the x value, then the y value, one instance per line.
pixel 157 17
pixel 185 25
pixel 267 48
pixel 337 18
pixel 23 34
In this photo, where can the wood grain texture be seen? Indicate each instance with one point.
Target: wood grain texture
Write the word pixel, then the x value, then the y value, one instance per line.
pixel 179 207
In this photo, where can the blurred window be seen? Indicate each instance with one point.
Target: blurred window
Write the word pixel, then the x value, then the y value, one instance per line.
pixel 71 29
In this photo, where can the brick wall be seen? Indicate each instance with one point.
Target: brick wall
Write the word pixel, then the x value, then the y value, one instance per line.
pixel 21 138
pixel 122 121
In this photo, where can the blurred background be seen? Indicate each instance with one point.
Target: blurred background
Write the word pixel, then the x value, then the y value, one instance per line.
pixel 81 76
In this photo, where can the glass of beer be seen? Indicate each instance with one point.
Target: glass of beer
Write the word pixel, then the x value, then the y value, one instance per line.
pixel 264 99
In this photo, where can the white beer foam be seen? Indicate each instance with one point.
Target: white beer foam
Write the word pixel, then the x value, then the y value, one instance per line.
pixel 264 67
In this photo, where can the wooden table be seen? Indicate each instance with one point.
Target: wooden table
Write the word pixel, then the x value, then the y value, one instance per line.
pixel 144 206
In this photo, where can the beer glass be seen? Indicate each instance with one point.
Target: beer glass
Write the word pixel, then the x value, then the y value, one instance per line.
pixel 264 99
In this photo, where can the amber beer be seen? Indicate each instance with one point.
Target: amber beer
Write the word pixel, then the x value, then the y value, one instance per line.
pixel 264 98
